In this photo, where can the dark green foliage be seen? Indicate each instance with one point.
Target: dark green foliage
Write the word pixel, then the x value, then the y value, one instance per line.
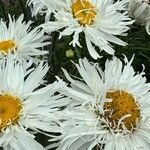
pixel 138 44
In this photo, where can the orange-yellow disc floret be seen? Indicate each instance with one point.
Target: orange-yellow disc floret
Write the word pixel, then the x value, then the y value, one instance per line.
pixel 84 11
pixel 122 104
pixel 10 108
pixel 6 46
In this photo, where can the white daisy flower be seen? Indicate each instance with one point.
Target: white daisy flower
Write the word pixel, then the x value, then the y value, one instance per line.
pixel 140 11
pixel 110 109
pixel 18 38
pixel 100 21
pixel 44 7
pixel 23 106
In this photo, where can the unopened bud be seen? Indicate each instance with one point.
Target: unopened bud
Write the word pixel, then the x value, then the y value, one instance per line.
pixel 69 53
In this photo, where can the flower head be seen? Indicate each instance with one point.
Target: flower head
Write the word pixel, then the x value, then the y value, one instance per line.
pixel 24 105
pixel 100 21
pixel 18 38
pixel 140 11
pixel 109 110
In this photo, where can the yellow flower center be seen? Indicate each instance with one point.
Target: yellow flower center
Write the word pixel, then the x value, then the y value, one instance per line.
pixel 122 104
pixel 84 11
pixel 7 46
pixel 10 108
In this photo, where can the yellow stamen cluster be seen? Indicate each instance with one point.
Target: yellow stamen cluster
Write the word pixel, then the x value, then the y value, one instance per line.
pixel 84 11
pixel 7 46
pixel 122 104
pixel 10 108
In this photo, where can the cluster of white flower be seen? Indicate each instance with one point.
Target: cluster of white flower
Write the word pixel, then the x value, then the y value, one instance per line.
pixel 103 109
